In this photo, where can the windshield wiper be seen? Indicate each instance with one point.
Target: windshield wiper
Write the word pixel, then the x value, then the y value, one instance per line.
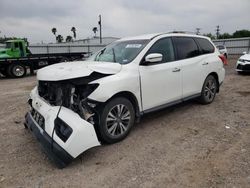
pixel 98 55
pixel 113 54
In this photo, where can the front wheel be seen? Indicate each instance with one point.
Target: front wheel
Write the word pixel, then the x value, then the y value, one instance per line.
pixel 209 90
pixel 117 118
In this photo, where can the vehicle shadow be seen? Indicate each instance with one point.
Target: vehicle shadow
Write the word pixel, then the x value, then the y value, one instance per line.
pixel 2 77
pixel 243 73
pixel 92 155
pixel 152 116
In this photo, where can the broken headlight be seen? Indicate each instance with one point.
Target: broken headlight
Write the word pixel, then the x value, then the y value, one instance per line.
pixel 80 104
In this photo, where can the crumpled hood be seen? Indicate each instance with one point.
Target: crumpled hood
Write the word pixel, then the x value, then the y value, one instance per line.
pixel 246 57
pixel 77 69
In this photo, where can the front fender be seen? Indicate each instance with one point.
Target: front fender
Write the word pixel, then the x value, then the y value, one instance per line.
pixel 125 81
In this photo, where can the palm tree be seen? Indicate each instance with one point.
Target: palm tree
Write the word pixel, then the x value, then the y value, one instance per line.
pixel 59 38
pixel 54 31
pixel 73 29
pixel 95 30
pixel 69 38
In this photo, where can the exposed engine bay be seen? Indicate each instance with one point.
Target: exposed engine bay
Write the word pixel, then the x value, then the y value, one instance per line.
pixel 72 94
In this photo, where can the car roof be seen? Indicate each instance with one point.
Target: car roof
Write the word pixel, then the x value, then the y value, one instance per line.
pixel 154 35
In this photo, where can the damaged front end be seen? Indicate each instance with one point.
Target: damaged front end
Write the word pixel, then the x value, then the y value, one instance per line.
pixel 70 94
pixel 63 119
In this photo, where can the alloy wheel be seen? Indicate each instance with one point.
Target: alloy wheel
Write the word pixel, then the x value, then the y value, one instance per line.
pixel 210 90
pixel 117 121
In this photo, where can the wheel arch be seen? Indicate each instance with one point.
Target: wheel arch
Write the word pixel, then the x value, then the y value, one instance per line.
pixel 132 98
pixel 215 75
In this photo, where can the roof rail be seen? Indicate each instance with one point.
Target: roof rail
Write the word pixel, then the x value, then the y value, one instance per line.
pixel 186 32
pixel 175 31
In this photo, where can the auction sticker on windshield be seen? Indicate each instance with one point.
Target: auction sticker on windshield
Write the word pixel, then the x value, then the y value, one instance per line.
pixel 133 45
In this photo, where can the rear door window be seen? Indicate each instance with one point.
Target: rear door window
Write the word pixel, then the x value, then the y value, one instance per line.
pixel 205 46
pixel 185 47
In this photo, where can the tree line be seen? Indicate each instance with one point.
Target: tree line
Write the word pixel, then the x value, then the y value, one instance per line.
pixel 237 34
pixel 69 38
pixel 59 38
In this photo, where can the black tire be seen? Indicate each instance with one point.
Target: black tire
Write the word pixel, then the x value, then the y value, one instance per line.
pixel 64 59
pixel 16 70
pixel 240 72
pixel 4 72
pixel 209 90
pixel 114 127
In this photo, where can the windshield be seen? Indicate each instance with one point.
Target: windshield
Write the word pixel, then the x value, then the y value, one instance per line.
pixel 122 52
pixel 8 45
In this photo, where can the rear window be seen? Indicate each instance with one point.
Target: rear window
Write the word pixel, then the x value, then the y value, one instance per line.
pixel 185 47
pixel 205 46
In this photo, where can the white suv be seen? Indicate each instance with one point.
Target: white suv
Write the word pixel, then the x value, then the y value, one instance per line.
pixel 79 105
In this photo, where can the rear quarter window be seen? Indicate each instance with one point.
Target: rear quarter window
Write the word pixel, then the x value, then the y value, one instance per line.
pixel 205 46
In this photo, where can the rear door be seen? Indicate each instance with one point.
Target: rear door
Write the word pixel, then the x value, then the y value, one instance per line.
pixel 192 64
pixel 192 67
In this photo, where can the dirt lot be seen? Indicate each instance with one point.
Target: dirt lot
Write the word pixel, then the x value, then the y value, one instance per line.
pixel 189 145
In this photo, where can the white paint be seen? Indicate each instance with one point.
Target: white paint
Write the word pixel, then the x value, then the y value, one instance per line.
pixel 152 86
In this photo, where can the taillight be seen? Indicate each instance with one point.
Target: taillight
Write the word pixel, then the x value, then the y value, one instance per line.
pixel 223 59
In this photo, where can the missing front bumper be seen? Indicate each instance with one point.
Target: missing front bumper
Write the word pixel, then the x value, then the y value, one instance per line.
pixel 56 153
pixel 82 137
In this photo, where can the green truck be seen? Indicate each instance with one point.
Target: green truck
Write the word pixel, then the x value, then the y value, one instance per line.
pixel 16 58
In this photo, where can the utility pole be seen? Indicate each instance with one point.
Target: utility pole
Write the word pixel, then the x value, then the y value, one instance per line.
pixel 198 30
pixel 100 28
pixel 217 31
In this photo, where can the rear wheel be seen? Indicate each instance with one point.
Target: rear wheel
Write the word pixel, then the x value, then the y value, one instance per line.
pixel 209 90
pixel 117 118
pixel 17 70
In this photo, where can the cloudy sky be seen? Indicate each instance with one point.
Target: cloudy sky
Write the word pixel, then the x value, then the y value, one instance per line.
pixel 35 18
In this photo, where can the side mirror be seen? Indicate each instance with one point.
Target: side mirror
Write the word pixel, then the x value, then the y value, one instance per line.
pixel 153 58
pixel 244 53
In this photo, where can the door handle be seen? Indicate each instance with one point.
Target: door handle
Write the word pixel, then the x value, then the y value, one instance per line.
pixel 206 63
pixel 176 70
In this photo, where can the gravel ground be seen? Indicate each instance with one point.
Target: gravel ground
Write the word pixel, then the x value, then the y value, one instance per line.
pixel 188 145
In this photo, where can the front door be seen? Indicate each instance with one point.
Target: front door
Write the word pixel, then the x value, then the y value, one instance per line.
pixel 161 82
